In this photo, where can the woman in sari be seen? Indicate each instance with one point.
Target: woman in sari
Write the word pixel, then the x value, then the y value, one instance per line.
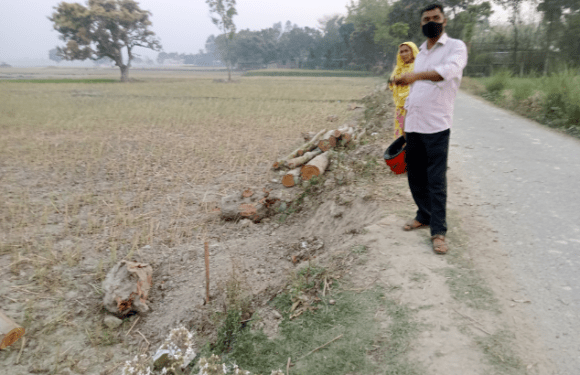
pixel 405 64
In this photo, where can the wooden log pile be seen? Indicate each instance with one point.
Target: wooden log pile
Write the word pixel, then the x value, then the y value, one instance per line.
pixel 313 157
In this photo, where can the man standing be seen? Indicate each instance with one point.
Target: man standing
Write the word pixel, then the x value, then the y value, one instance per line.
pixel 434 84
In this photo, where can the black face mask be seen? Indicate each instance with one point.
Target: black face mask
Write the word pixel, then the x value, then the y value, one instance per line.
pixel 432 29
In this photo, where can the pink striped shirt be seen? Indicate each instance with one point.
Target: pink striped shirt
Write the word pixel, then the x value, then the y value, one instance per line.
pixel 430 104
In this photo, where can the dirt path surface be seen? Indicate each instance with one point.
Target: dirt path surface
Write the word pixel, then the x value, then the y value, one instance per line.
pixel 526 177
pixel 471 310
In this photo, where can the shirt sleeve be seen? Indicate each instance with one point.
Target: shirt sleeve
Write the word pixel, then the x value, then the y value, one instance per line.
pixel 454 63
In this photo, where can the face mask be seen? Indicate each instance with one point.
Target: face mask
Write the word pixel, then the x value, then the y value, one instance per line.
pixel 432 29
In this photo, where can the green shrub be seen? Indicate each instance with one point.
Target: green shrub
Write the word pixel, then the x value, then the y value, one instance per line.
pixel 522 88
pixel 560 90
pixel 573 102
pixel 497 83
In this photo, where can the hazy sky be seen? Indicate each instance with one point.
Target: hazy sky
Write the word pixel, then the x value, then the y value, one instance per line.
pixel 182 25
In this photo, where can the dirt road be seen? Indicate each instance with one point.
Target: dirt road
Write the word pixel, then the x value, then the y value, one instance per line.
pixel 526 177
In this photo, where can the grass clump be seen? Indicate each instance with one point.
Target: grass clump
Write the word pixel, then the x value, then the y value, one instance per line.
pixel 497 83
pixel 468 286
pixel 499 353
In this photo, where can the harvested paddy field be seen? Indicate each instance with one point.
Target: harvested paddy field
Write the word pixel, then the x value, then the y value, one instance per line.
pixel 99 172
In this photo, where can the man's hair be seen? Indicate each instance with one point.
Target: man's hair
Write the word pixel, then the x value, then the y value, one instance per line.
pixel 431 7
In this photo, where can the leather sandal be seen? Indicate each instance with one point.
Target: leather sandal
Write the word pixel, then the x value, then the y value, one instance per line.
pixel 414 224
pixel 439 245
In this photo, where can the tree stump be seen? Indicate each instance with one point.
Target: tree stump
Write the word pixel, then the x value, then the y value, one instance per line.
pixel 255 208
pixel 127 287
pixel 10 331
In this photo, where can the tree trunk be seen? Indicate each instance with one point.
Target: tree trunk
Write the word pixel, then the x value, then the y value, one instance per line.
pixel 124 73
pixel 516 10
pixel 10 332
pixel 291 178
pixel 308 136
pixel 296 162
pixel 308 146
pixel 548 44
pixel 315 167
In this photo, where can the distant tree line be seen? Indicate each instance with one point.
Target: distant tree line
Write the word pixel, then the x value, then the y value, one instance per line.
pixel 367 37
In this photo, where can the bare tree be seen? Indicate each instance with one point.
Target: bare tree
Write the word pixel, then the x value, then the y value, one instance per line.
pixel 223 13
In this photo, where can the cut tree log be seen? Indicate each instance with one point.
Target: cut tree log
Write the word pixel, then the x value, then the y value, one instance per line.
pixel 329 140
pixel 301 160
pixel 308 136
pixel 10 331
pixel 291 178
pixel 310 145
pixel 347 136
pixel 315 167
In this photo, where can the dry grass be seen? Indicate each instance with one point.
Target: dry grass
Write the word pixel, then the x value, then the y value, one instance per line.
pixel 90 173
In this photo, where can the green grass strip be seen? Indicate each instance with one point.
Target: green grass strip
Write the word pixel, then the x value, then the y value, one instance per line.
pixel 307 73
pixel 363 348
pixel 63 80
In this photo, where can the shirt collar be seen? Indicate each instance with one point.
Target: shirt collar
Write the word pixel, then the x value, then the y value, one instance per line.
pixel 444 38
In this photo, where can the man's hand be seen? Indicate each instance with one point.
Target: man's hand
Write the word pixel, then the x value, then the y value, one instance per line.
pixel 406 79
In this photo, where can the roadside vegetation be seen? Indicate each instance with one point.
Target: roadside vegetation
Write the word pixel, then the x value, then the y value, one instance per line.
pixel 552 100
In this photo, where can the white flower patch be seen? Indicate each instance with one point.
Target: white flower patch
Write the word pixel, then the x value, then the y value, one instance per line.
pixel 178 348
pixel 138 366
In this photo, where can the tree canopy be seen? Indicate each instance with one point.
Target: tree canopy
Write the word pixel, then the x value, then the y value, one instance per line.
pixel 54 56
pixel 368 36
pixel 104 29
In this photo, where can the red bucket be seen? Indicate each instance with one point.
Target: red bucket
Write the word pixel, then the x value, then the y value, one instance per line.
pixel 395 156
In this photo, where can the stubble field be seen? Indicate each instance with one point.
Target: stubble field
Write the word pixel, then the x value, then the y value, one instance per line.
pixel 90 173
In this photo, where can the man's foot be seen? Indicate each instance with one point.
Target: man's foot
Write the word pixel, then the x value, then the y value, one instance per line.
pixel 414 224
pixel 439 245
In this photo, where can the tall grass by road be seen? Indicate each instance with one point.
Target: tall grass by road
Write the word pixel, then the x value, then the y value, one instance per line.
pixel 552 100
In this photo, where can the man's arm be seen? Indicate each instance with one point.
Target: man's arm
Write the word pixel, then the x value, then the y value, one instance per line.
pixel 410 78
pixel 453 67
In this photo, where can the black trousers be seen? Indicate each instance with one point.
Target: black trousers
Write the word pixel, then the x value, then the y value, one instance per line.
pixel 426 158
